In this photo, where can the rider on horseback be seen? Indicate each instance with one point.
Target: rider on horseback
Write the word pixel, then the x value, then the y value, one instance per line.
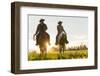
pixel 60 29
pixel 41 28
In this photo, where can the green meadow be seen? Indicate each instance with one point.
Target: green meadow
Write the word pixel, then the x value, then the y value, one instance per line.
pixel 55 55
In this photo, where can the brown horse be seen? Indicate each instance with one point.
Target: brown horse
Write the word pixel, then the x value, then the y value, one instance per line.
pixel 62 40
pixel 43 40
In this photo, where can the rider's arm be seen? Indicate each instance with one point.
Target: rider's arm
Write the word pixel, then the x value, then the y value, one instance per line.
pixel 45 27
pixel 37 30
pixel 63 29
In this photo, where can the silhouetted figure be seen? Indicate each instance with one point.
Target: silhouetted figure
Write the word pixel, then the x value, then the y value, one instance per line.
pixel 41 28
pixel 60 29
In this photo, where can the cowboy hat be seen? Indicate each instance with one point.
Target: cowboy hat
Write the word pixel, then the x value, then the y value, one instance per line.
pixel 42 20
pixel 59 22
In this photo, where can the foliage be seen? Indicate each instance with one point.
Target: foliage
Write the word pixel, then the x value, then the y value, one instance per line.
pixel 80 47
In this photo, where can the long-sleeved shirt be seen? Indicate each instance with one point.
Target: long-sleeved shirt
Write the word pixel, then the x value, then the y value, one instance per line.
pixel 41 28
pixel 60 29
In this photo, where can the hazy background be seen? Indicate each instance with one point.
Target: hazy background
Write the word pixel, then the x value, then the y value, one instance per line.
pixel 75 27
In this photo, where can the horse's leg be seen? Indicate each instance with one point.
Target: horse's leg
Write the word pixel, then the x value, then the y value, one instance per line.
pixel 45 52
pixel 63 48
pixel 41 52
pixel 60 51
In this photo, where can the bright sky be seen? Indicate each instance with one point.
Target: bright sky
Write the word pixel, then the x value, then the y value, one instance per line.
pixel 75 27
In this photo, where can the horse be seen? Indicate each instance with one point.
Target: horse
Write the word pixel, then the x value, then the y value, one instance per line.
pixel 62 40
pixel 43 40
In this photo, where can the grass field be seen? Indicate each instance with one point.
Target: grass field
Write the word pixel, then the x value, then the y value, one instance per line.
pixel 54 55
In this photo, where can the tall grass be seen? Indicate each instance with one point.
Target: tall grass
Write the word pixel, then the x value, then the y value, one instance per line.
pixel 73 54
pixel 76 52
